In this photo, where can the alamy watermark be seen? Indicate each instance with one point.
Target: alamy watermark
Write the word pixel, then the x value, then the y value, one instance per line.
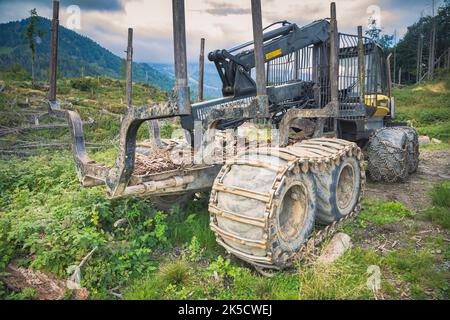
pixel 73 19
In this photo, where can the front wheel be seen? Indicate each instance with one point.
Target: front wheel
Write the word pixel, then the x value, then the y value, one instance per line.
pixel 262 210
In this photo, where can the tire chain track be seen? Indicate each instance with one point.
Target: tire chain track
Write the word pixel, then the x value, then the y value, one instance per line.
pixel 304 165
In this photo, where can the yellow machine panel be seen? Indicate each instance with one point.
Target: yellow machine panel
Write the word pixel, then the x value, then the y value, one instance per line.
pixel 381 102
pixel 274 54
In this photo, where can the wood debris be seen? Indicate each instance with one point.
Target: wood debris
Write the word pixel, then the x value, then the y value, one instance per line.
pixel 47 287
pixel 158 160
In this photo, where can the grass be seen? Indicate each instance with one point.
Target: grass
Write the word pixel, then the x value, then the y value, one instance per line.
pixel 103 101
pixel 175 273
pixel 427 107
pixel 6 50
pixel 420 269
pixel 440 212
pixel 344 280
pixel 434 146
pixel 441 194
pixel 440 216
pixel 190 280
pixel 380 213
pixel 417 269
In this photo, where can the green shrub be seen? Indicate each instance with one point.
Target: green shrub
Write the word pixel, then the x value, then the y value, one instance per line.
pixel 84 84
pixel 440 212
pixel 224 268
pixel 167 130
pixel 441 194
pixel 175 273
pixel 44 213
pixel 440 216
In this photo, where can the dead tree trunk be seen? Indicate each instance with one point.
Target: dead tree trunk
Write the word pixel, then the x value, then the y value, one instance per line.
pixel 130 68
pixel 432 55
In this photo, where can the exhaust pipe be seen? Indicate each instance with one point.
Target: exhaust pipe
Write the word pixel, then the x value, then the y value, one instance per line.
pixel 179 38
pixel 201 70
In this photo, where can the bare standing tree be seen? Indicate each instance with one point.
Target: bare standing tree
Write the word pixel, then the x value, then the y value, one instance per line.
pixel 32 34
pixel 432 54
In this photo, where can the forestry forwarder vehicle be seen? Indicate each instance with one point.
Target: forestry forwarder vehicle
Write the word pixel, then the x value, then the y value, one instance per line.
pixel 328 94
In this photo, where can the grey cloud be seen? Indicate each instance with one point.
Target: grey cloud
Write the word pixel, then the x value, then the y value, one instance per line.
pixel 226 9
pixel 101 5
pixel 403 4
pixel 105 21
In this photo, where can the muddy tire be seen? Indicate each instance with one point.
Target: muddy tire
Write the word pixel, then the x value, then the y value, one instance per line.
pixel 263 206
pixel 166 203
pixel 412 148
pixel 257 218
pixel 387 154
pixel 339 191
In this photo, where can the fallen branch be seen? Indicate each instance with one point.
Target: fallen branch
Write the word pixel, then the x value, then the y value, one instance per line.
pixel 7 131
pixel 75 279
pixel 53 145
pixel 41 145
pixel 15 152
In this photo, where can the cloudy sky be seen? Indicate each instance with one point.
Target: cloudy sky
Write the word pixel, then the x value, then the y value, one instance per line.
pixel 222 22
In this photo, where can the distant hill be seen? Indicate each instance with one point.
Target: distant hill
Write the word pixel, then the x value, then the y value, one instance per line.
pixel 212 83
pixel 77 55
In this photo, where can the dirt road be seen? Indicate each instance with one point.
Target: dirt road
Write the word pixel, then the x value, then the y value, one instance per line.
pixel 414 192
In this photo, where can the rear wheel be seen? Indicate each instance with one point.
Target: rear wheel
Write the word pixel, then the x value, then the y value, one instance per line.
pixel 388 155
pixel 339 191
